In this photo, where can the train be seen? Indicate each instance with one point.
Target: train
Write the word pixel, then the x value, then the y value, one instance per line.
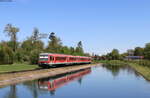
pixel 52 59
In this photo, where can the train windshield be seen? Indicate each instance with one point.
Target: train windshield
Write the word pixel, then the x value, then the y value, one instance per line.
pixel 43 58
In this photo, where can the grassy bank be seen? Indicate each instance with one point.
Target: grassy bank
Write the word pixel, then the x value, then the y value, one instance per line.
pixel 141 67
pixel 143 70
pixel 113 62
pixel 16 67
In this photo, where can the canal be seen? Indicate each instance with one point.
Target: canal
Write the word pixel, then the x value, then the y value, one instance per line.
pixel 95 82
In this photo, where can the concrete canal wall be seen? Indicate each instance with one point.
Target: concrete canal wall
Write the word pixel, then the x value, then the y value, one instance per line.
pixel 13 78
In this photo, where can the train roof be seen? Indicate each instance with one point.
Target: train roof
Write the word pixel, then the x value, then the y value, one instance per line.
pixel 56 54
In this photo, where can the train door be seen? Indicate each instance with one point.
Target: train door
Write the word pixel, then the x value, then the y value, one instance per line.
pixel 51 59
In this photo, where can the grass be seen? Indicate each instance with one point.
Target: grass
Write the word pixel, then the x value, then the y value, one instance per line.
pixel 141 67
pixel 113 62
pixel 17 67
pixel 143 70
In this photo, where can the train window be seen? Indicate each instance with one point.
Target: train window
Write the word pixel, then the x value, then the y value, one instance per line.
pixel 61 58
pixel 72 59
pixel 43 58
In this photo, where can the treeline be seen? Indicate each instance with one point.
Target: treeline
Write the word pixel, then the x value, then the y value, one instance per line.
pixel 28 51
pixel 115 55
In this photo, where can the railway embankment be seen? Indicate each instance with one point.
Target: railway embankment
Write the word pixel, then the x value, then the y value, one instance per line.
pixel 18 77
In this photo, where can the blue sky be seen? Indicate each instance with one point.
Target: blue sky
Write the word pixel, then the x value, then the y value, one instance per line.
pixel 100 24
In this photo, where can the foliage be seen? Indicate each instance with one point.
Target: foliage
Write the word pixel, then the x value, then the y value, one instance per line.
pixel 12 33
pixel 79 48
pixel 55 44
pixel 6 54
pixel 147 51
pixel 143 70
pixel 138 51
pixel 34 56
pixel 29 50
pixel 113 63
pixel 141 62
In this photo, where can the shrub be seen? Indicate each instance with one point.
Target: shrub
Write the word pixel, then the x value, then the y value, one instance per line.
pixel 34 56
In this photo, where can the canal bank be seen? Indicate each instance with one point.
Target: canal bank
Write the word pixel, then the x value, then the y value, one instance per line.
pixel 14 78
pixel 143 70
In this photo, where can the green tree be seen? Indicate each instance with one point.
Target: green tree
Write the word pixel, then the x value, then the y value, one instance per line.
pixel 79 48
pixel 35 34
pixel 138 51
pixel 55 44
pixel 72 50
pixel 34 55
pixel 6 54
pixel 147 51
pixel 12 32
pixel 65 50
pixel 115 54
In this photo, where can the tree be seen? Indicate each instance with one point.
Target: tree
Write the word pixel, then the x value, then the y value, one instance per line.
pixel 79 48
pixel 147 51
pixel 55 44
pixel 72 50
pixel 6 54
pixel 65 50
pixel 115 54
pixel 34 55
pixel 138 51
pixel 12 32
pixel 35 35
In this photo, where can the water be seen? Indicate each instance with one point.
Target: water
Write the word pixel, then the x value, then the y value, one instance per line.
pixel 98 82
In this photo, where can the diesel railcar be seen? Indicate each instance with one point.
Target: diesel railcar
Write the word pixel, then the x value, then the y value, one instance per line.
pixel 51 59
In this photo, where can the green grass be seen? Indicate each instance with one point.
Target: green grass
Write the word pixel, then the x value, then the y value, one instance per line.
pixel 143 70
pixel 113 62
pixel 17 67
pixel 141 67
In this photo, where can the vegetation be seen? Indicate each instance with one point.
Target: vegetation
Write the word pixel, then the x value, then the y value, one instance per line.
pixel 115 55
pixel 113 63
pixel 143 70
pixel 140 66
pixel 13 51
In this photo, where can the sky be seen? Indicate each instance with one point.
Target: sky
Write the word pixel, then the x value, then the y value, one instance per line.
pixel 101 25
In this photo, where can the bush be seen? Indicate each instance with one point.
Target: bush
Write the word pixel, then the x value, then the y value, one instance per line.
pixel 34 56
pixel 6 54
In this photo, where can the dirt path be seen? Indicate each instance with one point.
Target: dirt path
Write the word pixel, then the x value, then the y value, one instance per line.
pixel 13 78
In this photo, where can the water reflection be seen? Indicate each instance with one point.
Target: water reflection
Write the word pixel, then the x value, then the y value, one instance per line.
pixel 99 83
pixel 32 88
pixel 53 83
pixel 12 93
pixel 115 70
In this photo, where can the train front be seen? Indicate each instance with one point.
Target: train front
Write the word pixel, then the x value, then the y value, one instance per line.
pixel 43 60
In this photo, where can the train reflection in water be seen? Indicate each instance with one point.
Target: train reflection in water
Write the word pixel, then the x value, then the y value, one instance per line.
pixel 51 84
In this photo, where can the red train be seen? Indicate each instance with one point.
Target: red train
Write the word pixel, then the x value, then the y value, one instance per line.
pixel 50 59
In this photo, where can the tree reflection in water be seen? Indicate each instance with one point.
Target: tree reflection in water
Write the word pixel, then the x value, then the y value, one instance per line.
pixel 114 69
pixel 12 93
pixel 48 85
pixel 32 86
